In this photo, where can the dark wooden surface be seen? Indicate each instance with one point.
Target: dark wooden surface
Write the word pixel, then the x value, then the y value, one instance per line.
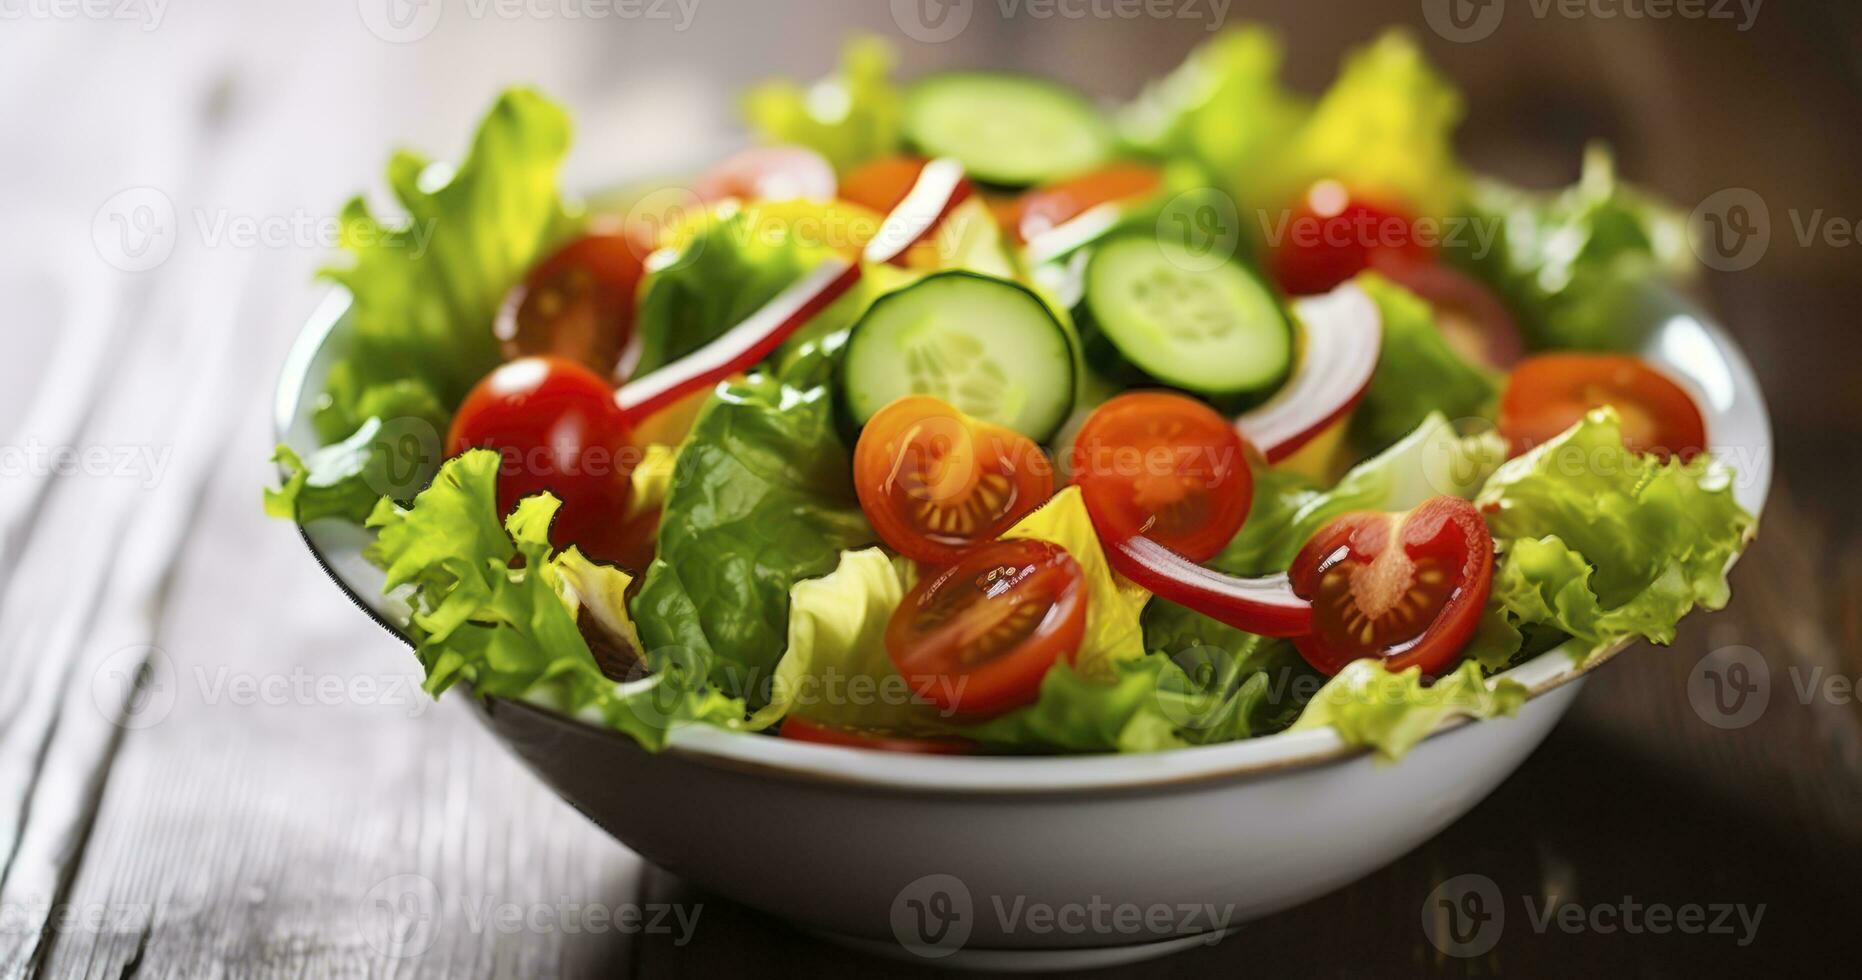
pixel 200 831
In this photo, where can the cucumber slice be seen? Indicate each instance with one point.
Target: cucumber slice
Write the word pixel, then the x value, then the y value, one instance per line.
pixel 1006 129
pixel 1207 327
pixel 988 346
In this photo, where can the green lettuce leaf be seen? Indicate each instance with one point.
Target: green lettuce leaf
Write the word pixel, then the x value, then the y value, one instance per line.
pixel 761 498
pixel 1418 372
pixel 1390 713
pixel 1430 461
pixel 426 292
pixel 1224 107
pixel 1571 264
pixel 850 117
pixel 1600 543
pixel 494 607
pixel 1385 129
pixel 393 454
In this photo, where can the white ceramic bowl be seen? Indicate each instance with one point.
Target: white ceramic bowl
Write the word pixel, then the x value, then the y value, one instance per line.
pixel 935 856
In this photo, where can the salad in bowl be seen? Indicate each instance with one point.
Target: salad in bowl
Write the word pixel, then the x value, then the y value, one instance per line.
pixel 965 415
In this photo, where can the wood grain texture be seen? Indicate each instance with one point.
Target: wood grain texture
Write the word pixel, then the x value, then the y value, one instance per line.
pixel 270 796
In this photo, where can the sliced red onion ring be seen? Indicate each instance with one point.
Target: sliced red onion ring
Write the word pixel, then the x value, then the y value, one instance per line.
pixel 1344 335
pixel 1082 228
pixel 1263 606
pixel 940 188
pixel 742 346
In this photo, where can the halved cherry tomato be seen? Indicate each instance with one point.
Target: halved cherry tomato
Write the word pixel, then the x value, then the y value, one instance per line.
pixel 1332 234
pixel 1472 319
pixel 558 429
pixel 883 183
pixel 577 304
pixel 769 173
pixel 1044 209
pixel 977 638
pixel 803 730
pixel 1166 467
pixel 1406 589
pixel 1550 393
pixel 935 482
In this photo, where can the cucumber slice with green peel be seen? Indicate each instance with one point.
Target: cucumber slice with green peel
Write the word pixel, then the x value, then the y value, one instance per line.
pixel 1006 129
pixel 988 346
pixel 1200 323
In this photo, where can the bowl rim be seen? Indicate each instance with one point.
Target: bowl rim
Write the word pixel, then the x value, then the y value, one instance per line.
pixel 1731 395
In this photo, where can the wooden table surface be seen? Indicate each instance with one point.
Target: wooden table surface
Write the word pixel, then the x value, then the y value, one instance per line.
pixel 210 765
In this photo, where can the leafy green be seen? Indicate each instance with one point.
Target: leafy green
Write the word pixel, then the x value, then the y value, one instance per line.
pixel 850 117
pixel 426 292
pixel 392 454
pixel 1385 129
pixel 727 272
pixel 494 607
pixel 1430 461
pixel 1224 107
pixel 1370 706
pixel 1113 602
pixel 1601 543
pixel 761 498
pixel 1417 373
pixel 1571 263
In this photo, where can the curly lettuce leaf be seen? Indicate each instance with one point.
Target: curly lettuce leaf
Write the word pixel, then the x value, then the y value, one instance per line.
pixel 1418 372
pixel 426 292
pixel 1572 263
pixel 1600 543
pixel 1390 713
pixel 494 607
pixel 1385 129
pixel 393 453
pixel 761 498
pixel 1224 107
pixel 850 117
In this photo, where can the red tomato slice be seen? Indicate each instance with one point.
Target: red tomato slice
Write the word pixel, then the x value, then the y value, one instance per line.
pixel 1166 467
pixel 977 638
pixel 1472 319
pixel 803 730
pixel 577 304
pixel 769 173
pixel 1044 209
pixel 882 184
pixel 936 483
pixel 1406 589
pixel 1333 234
pixel 556 425
pixel 1550 393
